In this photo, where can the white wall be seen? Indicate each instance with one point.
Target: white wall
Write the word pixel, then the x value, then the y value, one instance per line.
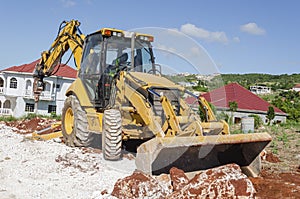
pixel 278 118
pixel 296 89
pixel 19 99
pixel 19 110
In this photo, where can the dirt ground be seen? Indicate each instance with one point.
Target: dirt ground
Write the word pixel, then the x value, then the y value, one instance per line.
pixel 280 176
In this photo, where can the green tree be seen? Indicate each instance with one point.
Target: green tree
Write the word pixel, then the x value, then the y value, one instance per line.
pixel 289 102
pixel 257 120
pixel 270 114
pixel 233 106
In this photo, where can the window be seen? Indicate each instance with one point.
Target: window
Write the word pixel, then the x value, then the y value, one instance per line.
pixel 47 87
pixel 29 107
pixel 13 83
pixel 52 109
pixel 1 82
pixel 57 86
pixel 28 85
pixel 6 104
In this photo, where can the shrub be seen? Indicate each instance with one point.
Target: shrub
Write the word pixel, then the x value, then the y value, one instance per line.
pixel 270 114
pixel 223 116
pixel 30 116
pixel 53 115
pixel 257 120
pixel 7 118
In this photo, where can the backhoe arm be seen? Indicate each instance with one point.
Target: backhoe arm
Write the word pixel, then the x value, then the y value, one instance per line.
pixel 205 107
pixel 69 37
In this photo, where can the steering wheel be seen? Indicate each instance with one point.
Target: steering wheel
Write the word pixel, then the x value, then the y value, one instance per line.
pixel 154 71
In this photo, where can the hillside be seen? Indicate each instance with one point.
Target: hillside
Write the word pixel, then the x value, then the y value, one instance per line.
pixel 283 81
pixel 208 82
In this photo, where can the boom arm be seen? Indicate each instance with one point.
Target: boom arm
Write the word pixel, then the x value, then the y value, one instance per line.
pixel 69 36
pixel 209 114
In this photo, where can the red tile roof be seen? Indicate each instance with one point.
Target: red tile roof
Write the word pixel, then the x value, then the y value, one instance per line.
pixel 63 71
pixel 245 99
pixel 297 86
pixel 191 100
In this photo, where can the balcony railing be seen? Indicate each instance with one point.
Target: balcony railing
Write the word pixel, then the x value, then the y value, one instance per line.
pixel 46 95
pixel 28 93
pixel 5 111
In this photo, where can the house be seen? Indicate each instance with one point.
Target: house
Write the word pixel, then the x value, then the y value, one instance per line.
pixel 187 84
pixel 296 88
pixel 248 103
pixel 16 90
pixel 260 89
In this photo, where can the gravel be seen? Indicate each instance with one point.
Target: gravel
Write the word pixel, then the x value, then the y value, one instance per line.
pixel 47 169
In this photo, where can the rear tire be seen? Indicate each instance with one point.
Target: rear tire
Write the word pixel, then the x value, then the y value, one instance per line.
pixel 112 135
pixel 74 124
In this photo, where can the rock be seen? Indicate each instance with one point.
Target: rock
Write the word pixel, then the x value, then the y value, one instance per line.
pixel 226 181
pixel 263 155
pixel 297 156
pixel 179 179
pixel 7 158
pixel 165 180
pixel 140 185
pixel 58 140
pixel 270 157
pixel 104 192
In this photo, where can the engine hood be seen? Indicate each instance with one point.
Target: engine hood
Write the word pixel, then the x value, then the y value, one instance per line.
pixel 150 80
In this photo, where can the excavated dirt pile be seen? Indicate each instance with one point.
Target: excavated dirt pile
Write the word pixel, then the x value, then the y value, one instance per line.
pixel 226 181
pixel 272 184
pixel 27 126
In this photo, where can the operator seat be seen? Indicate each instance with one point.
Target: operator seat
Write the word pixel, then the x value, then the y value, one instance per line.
pixel 138 66
pixel 121 60
pixel 106 80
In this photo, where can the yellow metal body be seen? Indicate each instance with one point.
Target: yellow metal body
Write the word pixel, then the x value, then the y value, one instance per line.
pixel 48 133
pixel 141 113
pixel 94 119
pixel 49 136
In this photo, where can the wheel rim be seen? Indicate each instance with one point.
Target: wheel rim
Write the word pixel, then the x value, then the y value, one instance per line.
pixel 69 121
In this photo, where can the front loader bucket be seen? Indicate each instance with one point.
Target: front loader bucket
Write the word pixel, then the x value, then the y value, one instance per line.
pixel 159 155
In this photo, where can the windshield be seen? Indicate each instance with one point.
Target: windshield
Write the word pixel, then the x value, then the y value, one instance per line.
pixel 118 53
pixel 110 55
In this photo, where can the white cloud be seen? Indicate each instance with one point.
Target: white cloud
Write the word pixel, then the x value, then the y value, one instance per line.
pixel 89 2
pixel 252 28
pixel 68 3
pixel 194 31
pixel 236 39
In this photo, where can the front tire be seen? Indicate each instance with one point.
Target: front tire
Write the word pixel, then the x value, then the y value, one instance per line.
pixel 74 124
pixel 112 135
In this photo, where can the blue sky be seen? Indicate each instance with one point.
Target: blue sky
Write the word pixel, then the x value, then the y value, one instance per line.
pixel 240 36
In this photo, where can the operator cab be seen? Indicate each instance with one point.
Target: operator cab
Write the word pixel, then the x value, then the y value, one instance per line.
pixel 106 53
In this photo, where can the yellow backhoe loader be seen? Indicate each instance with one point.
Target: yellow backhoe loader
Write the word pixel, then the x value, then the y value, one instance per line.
pixel 121 94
